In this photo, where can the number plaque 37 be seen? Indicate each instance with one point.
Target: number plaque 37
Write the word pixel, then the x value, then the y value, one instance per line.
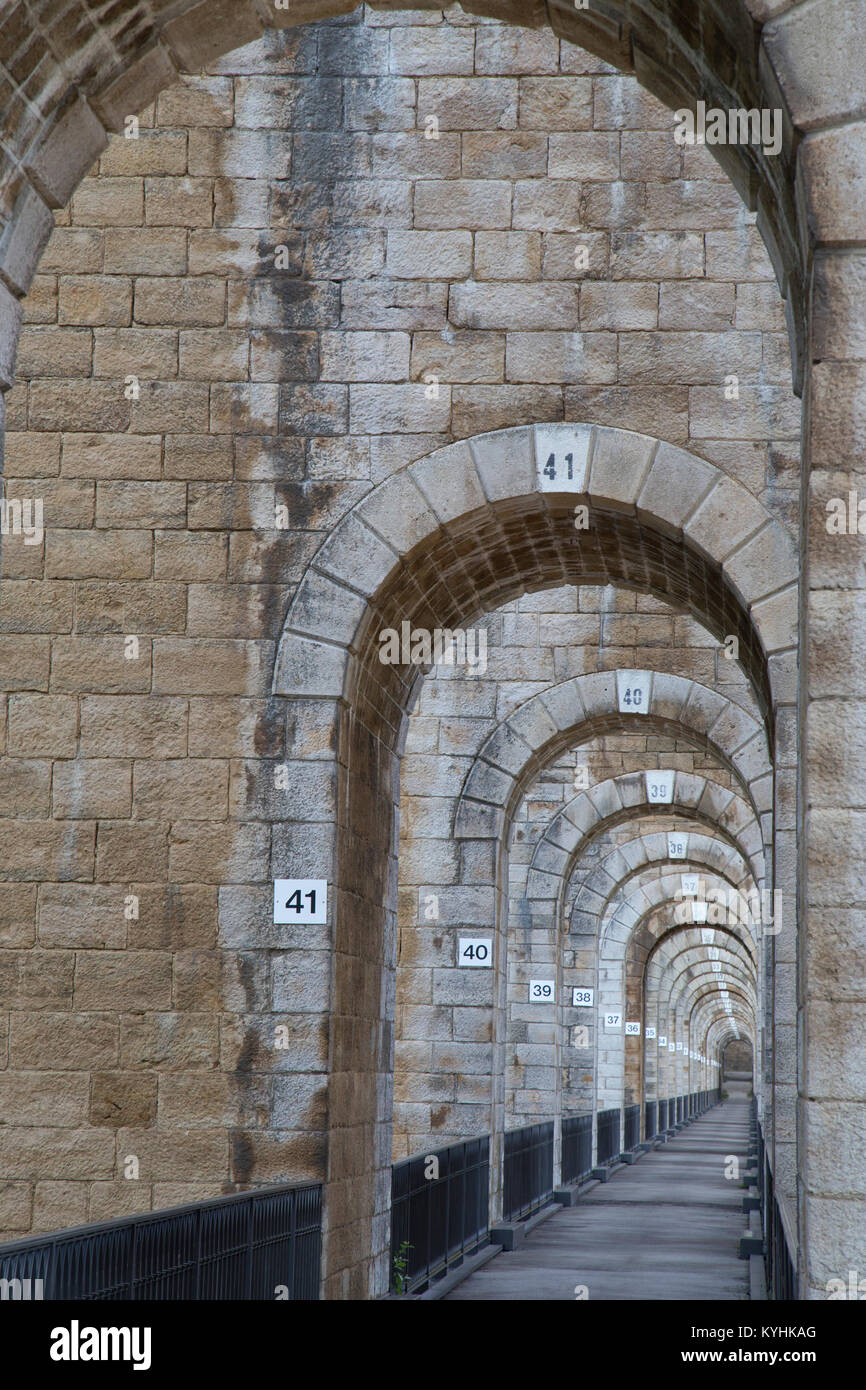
pixel 300 900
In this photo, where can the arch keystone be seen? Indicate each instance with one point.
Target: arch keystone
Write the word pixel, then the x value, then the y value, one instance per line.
pixel 561 441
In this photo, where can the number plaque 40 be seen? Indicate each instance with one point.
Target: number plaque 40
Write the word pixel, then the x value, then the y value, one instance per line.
pixel 475 952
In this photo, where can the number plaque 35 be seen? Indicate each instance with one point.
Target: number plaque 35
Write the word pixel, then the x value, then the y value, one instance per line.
pixel 300 900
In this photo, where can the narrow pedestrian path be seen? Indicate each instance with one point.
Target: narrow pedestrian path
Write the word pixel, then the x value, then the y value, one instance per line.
pixel 666 1227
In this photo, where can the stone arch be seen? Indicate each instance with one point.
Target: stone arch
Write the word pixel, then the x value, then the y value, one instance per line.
pixel 676 952
pixel 657 887
pixel 526 745
pixel 616 801
pixel 676 973
pixel 724 1031
pixel 647 851
pixel 585 707
pixel 622 799
pixel 697 995
pixel 661 964
pixel 664 521
pixel 825 104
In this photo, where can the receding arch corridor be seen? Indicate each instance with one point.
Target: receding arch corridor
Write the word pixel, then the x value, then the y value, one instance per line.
pixel 666 1227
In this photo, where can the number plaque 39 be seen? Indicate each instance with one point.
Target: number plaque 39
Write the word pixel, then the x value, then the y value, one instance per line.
pixel 300 900
pixel 542 991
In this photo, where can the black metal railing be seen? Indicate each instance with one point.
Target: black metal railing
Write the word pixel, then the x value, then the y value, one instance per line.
pixel 651 1119
pixel 784 1272
pixel 632 1126
pixel 439 1212
pixel 608 1135
pixel 259 1245
pixel 576 1147
pixel 528 1176
pixel 779 1266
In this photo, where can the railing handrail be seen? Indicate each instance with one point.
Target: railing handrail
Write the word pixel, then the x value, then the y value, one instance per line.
pixel 240 1245
pixel 141 1218
pixel 435 1153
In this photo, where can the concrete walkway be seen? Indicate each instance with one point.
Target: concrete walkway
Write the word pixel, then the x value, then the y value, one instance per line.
pixel 665 1228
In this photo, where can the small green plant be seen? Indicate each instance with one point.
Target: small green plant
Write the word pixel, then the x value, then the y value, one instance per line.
pixel 401 1264
pixel 724 1095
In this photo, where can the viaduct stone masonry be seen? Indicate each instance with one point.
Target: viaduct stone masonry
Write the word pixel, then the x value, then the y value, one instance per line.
pixel 294 306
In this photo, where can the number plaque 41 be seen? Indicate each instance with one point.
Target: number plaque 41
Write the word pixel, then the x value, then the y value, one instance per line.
pixel 561 452
pixel 300 901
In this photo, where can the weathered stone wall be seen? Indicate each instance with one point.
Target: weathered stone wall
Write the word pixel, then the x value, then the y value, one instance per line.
pixel 239 311
pixel 738 1057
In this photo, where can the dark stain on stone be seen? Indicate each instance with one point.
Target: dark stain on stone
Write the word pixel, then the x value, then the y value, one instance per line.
pixel 243 1162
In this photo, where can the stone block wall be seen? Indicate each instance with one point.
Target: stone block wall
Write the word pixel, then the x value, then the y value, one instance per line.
pixel 279 294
